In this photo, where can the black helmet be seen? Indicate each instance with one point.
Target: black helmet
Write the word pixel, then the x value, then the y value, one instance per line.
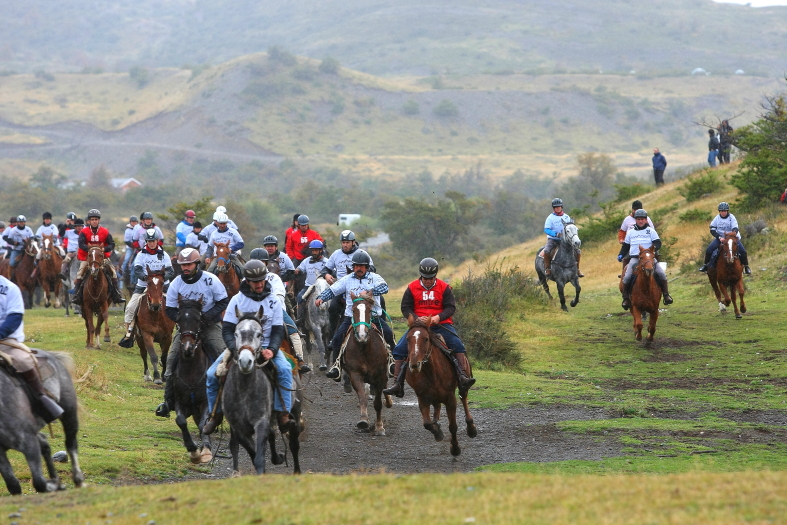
pixel 196 224
pixel 636 205
pixel 255 270
pixel 259 254
pixel 428 268
pixel 723 206
pixel 361 257
pixel 94 213
pixel 347 235
pixel 79 222
pixel 557 202
pixel 47 215
pixel 640 213
pixel 270 239
pixel 71 215
pixel 146 215
pixel 295 217
pixel 303 219
pixel 150 235
pixel 133 218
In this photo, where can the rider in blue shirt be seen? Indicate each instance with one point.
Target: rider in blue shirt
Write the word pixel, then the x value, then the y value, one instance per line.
pixel 553 227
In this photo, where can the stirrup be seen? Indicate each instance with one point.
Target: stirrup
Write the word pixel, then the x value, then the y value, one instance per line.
pixel 162 410
pixel 747 270
pixel 703 268
pixel 667 299
pixel 396 390
pixel 212 423
pixel 334 373
pixel 127 341
pixel 303 368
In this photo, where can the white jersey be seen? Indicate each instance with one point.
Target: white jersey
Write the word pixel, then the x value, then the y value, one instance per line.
pixel 272 313
pixel 49 230
pixel 277 286
pixel 208 289
pixel 351 284
pixel 208 230
pixel 636 238
pixel 11 303
pixel 139 234
pixel 145 260
pixel 17 237
pixel 128 235
pixel 72 238
pixel 724 225
pixel 3 243
pixel 285 263
pixel 312 269
pixel 229 235
pixel 193 240
pixel 342 262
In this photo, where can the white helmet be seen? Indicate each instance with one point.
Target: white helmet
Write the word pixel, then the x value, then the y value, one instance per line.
pixel 220 217
pixel 216 216
pixel 221 209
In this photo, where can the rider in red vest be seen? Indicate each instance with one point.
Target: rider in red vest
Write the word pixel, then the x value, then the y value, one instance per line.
pixel 432 301
pixel 96 235
pixel 298 241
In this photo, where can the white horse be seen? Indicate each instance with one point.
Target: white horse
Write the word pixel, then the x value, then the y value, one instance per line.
pixel 317 320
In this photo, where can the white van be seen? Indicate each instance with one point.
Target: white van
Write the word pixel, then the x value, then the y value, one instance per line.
pixel 346 219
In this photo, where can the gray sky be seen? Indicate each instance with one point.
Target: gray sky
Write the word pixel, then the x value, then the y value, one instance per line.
pixel 754 3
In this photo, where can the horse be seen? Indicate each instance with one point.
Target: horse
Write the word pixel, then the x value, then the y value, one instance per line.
pixel 23 271
pixel 727 276
pixel 431 376
pixel 49 269
pixel 66 287
pixel 20 427
pixel 366 360
pixel 224 269
pixel 564 265
pixel 317 320
pixel 5 267
pixel 191 399
pixel 645 292
pixel 153 326
pixel 247 400
pixel 95 298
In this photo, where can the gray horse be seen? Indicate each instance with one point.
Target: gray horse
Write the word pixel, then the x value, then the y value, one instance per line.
pixel 66 290
pixel 20 427
pixel 318 321
pixel 248 400
pixel 564 265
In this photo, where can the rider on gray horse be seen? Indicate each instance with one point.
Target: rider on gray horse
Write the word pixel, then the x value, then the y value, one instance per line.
pixel 553 227
pixel 725 222
pixel 641 235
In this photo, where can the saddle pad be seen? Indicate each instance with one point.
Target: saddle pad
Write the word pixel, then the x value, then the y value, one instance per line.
pixel 541 252
pixel 308 292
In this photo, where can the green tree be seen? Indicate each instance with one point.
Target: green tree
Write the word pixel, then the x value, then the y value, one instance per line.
pixel 282 56
pixel 329 66
pixel 592 185
pixel 446 109
pixel 203 208
pixel 46 178
pixel 140 75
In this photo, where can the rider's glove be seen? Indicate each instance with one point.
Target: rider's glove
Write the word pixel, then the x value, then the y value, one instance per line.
pixel 620 258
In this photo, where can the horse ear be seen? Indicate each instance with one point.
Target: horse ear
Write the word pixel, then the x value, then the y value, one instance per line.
pixel 411 320
pixel 147 268
pixel 180 298
pixel 238 314
pixel 261 312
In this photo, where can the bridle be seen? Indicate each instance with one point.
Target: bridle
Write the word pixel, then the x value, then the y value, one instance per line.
pixel 257 352
pixel 731 251
pixel 649 258
pixel 31 248
pixel 356 324
pixel 430 345
pixel 151 307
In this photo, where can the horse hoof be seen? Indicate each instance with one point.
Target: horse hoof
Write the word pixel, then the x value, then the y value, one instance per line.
pixel 362 425
pixel 107 339
pixel 158 381
pixel 738 316
pixel 563 307
pixel 388 401
pixel 348 388
pixel 235 474
pixel 743 309
pixel 147 377
pixel 380 432
pixel 472 431
pixel 194 456
pixel 638 337
pixel 455 450
pixel 47 305
pixel 277 459
pixel 206 456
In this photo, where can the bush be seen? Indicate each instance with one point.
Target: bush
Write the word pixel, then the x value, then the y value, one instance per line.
pixel 706 184
pixel 411 107
pixel 140 75
pixel 624 192
pixel 329 66
pixel 604 228
pixel 446 109
pixel 282 56
pixel 695 215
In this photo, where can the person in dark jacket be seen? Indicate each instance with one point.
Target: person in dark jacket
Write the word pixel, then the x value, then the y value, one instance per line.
pixel 713 147
pixel 659 165
pixel 725 142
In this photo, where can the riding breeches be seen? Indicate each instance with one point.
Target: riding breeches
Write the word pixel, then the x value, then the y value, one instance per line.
pixel 282 395
pixel 131 307
pixel 289 324
pixel 446 330
pixel 212 344
pixel 21 360
pixel 15 256
pixel 551 244
pixel 83 268
pixel 660 275
pixel 338 337
pixel 714 245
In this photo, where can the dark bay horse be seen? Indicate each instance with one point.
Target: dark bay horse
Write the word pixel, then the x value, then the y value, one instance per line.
pixel 23 271
pixel 564 268
pixel 645 293
pixel 153 326
pixel 248 400
pixel 49 269
pixel 431 376
pixel 191 399
pixel 95 298
pixel 726 277
pixel 366 361
pixel 225 270
pixel 20 427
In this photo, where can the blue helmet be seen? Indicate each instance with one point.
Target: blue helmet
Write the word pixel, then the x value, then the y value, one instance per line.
pixel 315 244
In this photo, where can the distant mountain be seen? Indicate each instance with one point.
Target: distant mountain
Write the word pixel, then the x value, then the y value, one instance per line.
pixel 401 37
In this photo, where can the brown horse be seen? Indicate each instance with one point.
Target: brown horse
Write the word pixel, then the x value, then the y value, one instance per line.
pixel 5 267
pixel 95 298
pixel 224 269
pixel 366 360
pixel 153 326
pixel 727 277
pixel 49 269
pixel 431 376
pixel 23 271
pixel 646 293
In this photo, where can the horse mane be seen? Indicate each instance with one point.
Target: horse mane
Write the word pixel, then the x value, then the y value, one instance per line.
pixel 415 322
pixel 190 303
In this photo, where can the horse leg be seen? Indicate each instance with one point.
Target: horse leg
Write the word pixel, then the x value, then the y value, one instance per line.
pixel 140 339
pixel 71 429
pixel 151 351
pixel 45 287
pixel 379 429
pixel 32 452
pixel 733 294
pixel 295 442
pixel 652 324
pixel 637 314
pixel 188 441
pixel 472 431
pixel 360 390
pixel 450 410
pixel 431 426
pixel 741 290
pixel 88 316
pixel 56 292
pixel 277 458
pixel 577 288
pixel 166 342
pixel 105 320
pixel 11 482
pixel 561 294
pixel 46 453
pixel 234 452
pixel 205 454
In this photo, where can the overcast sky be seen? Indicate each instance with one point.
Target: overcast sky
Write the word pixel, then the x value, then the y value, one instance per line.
pixel 754 3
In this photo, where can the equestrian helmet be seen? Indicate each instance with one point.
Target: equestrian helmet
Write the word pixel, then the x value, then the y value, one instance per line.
pixel 21 218
pixel 557 202
pixel 221 218
pixel 723 206
pixel 197 224
pixel 315 245
pixel 79 222
pixel 221 209
pixel 259 254
pixel 146 215
pixel 270 239
pixel 133 218
pixel 216 215
pixel 347 235
pixel 636 205
pixel 303 220
pixel 94 213
pixel 47 215
pixel 640 214
pixel 150 235
pixel 190 213
pixel 71 215
pixel 255 271
pixel 188 256
pixel 361 257
pixel 428 268
pixel 295 216
pixel 2 224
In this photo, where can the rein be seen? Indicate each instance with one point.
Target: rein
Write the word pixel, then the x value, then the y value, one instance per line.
pixel 430 345
pixel 361 323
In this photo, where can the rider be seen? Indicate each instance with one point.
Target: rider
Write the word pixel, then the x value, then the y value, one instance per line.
pixel 68 225
pixel 196 240
pixel 47 228
pixel 298 242
pixel 628 223
pixel 183 229
pixel 432 301
pixel 256 296
pixel 193 284
pixel 153 258
pixel 286 268
pixel 224 234
pixel 360 280
pixel 96 235
pixel 16 238
pixel 290 231
pixel 312 267
pixel 723 223
pixel 71 242
pixel 128 240
pixel 277 289
pixel 340 264
pixel 645 236
pixel 553 227
pixel 146 223
pixel 12 335
pixel 3 243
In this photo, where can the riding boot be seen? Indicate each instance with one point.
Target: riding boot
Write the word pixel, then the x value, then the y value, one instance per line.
pixel 53 410
pixel 462 372
pixel 335 372
pixel 704 267
pixel 286 423
pixel 400 371
pixel 579 272
pixel 164 408
pixel 297 347
pixel 213 422
pixel 114 291
pixel 627 294
pixel 664 289
pixel 77 299
pixel 547 263
pixel 128 340
pixel 63 270
pixel 745 262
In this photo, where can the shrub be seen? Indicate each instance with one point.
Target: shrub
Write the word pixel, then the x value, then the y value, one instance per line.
pixel 411 107
pixel 140 75
pixel 604 228
pixel 282 56
pixel 329 66
pixel 446 109
pixel 624 192
pixel 695 215
pixel 706 184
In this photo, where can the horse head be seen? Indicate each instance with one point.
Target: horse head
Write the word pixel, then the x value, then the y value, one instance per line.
pixel 31 246
pixel 419 344
pixel 95 258
pixel 647 260
pixel 571 235
pixel 47 243
pixel 189 325
pixel 248 339
pixel 730 247
pixel 362 315
pixel 222 256
pixel 155 289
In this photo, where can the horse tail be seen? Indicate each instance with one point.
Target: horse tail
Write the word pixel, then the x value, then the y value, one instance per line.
pixel 67 361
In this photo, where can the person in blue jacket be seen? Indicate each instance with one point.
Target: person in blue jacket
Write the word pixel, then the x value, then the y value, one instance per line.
pixel 553 227
pixel 659 165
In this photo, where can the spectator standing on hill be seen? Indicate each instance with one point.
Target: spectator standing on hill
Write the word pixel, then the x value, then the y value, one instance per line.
pixel 659 165
pixel 713 147
pixel 725 142
pixel 783 198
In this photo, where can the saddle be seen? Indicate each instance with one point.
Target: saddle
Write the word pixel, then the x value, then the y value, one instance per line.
pixel 554 252
pixel 45 370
